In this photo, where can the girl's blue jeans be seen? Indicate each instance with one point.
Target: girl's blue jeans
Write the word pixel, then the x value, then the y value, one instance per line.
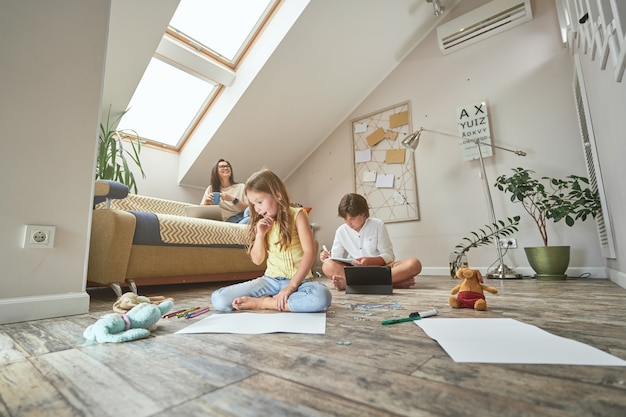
pixel 310 296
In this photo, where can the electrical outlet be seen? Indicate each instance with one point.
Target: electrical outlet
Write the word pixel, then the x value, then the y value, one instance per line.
pixel 39 236
pixel 508 243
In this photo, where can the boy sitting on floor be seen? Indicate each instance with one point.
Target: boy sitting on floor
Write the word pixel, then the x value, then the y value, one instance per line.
pixel 367 242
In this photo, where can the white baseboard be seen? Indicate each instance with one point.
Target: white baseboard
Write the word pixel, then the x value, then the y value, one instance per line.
pixel 618 277
pixel 13 310
pixel 593 272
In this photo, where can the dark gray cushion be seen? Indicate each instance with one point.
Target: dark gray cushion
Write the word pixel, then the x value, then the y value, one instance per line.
pixel 109 189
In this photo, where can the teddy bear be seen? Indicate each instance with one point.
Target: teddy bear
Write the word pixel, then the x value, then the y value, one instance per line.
pixel 470 291
pixel 133 325
pixel 130 299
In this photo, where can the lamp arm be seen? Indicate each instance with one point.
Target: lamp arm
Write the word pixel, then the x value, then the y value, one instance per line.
pixel 518 152
pixel 478 142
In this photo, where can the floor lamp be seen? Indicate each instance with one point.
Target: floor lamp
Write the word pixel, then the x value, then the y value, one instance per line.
pixel 502 271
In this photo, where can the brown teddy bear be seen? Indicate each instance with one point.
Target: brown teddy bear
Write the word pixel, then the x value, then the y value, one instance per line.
pixel 129 300
pixel 470 291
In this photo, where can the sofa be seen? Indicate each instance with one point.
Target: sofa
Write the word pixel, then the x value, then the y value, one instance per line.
pixel 140 240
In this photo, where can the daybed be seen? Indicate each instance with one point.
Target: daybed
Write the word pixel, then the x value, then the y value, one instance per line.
pixel 139 240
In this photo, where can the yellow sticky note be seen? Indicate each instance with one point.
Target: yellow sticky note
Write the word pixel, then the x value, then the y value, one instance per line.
pixel 375 137
pixel 398 119
pixel 391 134
pixel 395 156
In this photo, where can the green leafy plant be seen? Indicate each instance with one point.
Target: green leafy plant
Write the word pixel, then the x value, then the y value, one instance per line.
pixel 485 236
pixel 113 158
pixel 546 198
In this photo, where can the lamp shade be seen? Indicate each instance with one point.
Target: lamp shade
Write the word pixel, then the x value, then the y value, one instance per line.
pixel 411 141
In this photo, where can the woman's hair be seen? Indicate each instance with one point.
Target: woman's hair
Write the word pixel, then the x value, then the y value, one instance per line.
pixel 265 181
pixel 353 204
pixel 215 178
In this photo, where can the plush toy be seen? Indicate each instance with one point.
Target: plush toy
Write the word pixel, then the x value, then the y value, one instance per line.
pixel 130 299
pixel 135 324
pixel 470 291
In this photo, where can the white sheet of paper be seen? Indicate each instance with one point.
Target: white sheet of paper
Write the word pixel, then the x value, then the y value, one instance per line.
pixel 369 176
pixel 399 198
pixel 360 128
pixel 384 181
pixel 258 323
pixel 493 340
pixel 344 260
pixel 363 156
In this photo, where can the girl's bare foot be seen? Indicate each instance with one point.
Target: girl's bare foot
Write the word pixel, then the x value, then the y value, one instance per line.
pixel 407 283
pixel 339 282
pixel 254 303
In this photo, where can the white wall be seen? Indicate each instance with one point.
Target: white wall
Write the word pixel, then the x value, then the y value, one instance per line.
pixel 525 75
pixel 161 169
pixel 52 69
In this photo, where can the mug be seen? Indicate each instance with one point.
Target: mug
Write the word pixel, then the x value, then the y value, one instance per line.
pixel 216 198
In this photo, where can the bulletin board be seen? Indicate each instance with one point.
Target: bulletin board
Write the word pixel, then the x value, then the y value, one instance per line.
pixel 384 171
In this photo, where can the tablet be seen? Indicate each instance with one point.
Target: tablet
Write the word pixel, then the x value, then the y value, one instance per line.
pixel 368 280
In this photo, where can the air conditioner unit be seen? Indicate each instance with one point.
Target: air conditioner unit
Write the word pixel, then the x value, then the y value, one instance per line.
pixel 487 20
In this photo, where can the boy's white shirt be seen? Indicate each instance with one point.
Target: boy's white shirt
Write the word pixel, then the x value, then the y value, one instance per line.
pixel 371 241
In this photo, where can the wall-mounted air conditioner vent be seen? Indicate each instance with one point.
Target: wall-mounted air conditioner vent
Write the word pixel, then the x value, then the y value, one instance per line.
pixel 487 20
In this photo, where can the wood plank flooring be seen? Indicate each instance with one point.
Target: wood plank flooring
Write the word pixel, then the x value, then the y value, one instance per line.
pixel 48 369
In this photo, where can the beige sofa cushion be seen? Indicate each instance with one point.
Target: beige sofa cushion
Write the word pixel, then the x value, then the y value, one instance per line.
pixel 149 205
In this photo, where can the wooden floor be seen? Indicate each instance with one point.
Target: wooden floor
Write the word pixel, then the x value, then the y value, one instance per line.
pixel 48 369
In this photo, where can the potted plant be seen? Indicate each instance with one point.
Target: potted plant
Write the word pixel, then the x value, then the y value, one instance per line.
pixel 112 162
pixel 570 199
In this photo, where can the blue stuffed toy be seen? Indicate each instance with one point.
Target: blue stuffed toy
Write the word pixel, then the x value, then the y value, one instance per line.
pixel 133 325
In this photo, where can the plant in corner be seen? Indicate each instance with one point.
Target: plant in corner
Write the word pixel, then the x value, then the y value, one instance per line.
pixel 112 162
pixel 570 199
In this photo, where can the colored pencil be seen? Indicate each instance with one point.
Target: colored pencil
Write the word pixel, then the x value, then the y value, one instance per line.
pixel 184 313
pixel 167 316
pixel 197 312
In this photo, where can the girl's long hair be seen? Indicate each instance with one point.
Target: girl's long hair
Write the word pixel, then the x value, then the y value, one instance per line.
pixel 265 181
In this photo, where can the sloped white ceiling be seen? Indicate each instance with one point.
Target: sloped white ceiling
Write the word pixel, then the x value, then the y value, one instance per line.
pixel 135 30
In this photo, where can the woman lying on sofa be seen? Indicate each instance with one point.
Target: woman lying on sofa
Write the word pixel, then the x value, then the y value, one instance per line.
pixel 227 193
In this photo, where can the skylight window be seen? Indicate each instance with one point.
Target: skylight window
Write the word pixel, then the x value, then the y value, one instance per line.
pixel 204 43
pixel 167 100
pixel 224 26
